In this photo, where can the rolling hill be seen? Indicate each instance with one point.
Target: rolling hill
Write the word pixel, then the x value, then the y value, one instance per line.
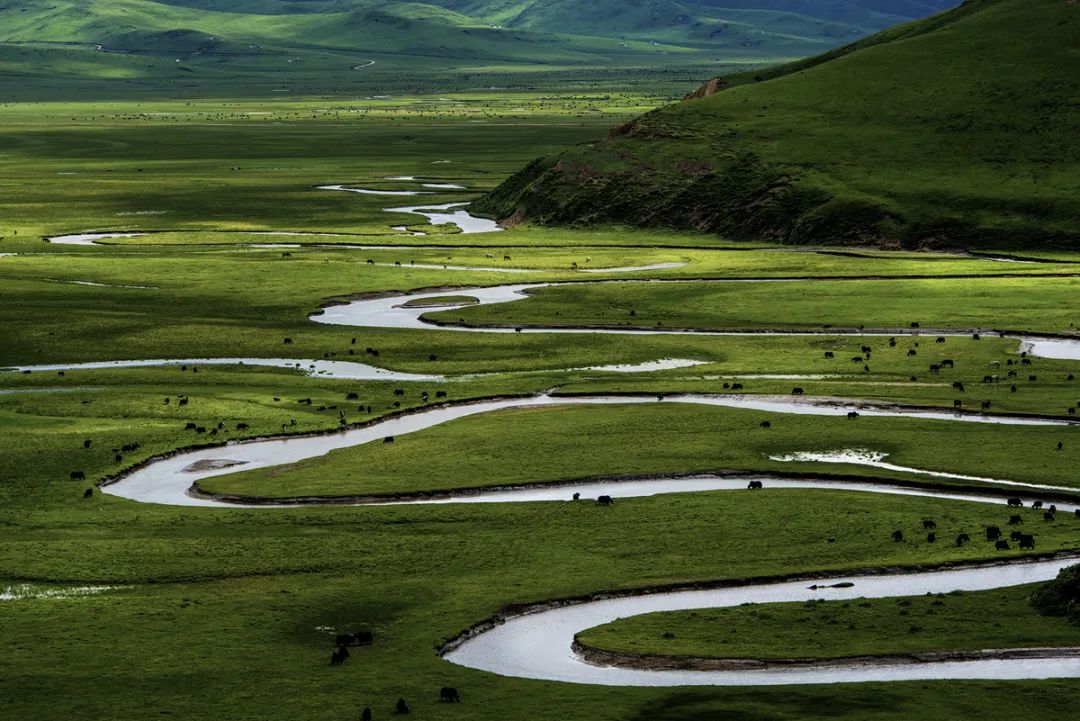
pixel 955 130
pixel 322 45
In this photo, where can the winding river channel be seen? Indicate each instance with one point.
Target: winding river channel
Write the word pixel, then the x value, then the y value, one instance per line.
pixel 392 312
pixel 539 643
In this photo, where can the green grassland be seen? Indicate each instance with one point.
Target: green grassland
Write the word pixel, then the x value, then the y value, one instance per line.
pixel 898 139
pixel 225 611
pixel 1034 304
pixel 832 629
pixel 573 443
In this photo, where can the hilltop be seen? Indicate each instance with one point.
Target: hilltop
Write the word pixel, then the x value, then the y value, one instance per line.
pixel 955 130
pixel 333 45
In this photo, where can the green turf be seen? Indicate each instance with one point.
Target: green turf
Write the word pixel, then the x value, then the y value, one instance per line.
pixel 227 611
pixel 835 629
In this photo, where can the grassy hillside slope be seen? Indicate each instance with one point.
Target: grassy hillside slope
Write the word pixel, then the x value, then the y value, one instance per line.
pixel 956 130
pixel 328 46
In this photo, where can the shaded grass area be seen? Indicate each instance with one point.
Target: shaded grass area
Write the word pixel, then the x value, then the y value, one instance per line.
pixel 254 641
pixel 960 621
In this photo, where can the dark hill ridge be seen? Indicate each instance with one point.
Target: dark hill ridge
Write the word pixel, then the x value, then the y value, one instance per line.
pixel 955 130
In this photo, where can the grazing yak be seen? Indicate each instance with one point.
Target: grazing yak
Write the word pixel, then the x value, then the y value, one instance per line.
pixel 605 501
pixel 1027 541
pixel 755 485
pixel 1016 520
pixel 1002 545
pixel 929 523
pixel 1015 503
pixel 339 657
pixel 77 475
pixel 993 533
pixel 962 538
pixel 88 493
pixel 897 536
pixel 449 694
pixel 401 707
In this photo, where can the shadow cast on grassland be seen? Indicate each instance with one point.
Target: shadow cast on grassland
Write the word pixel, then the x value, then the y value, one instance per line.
pixel 773 704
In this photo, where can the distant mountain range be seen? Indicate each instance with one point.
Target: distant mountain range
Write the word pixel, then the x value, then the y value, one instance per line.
pixel 328 41
pixel 957 130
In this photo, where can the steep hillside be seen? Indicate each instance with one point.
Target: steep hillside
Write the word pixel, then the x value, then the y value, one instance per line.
pixel 324 44
pixel 956 130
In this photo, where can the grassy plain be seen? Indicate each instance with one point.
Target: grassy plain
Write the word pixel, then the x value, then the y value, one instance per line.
pixel 978 303
pixel 230 608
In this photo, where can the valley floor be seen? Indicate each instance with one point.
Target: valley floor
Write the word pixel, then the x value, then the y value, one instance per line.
pixel 870 391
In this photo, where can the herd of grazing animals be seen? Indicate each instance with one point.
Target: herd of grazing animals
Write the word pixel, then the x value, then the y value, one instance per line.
pixel 343 641
pixel 1026 541
pixel 220 427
